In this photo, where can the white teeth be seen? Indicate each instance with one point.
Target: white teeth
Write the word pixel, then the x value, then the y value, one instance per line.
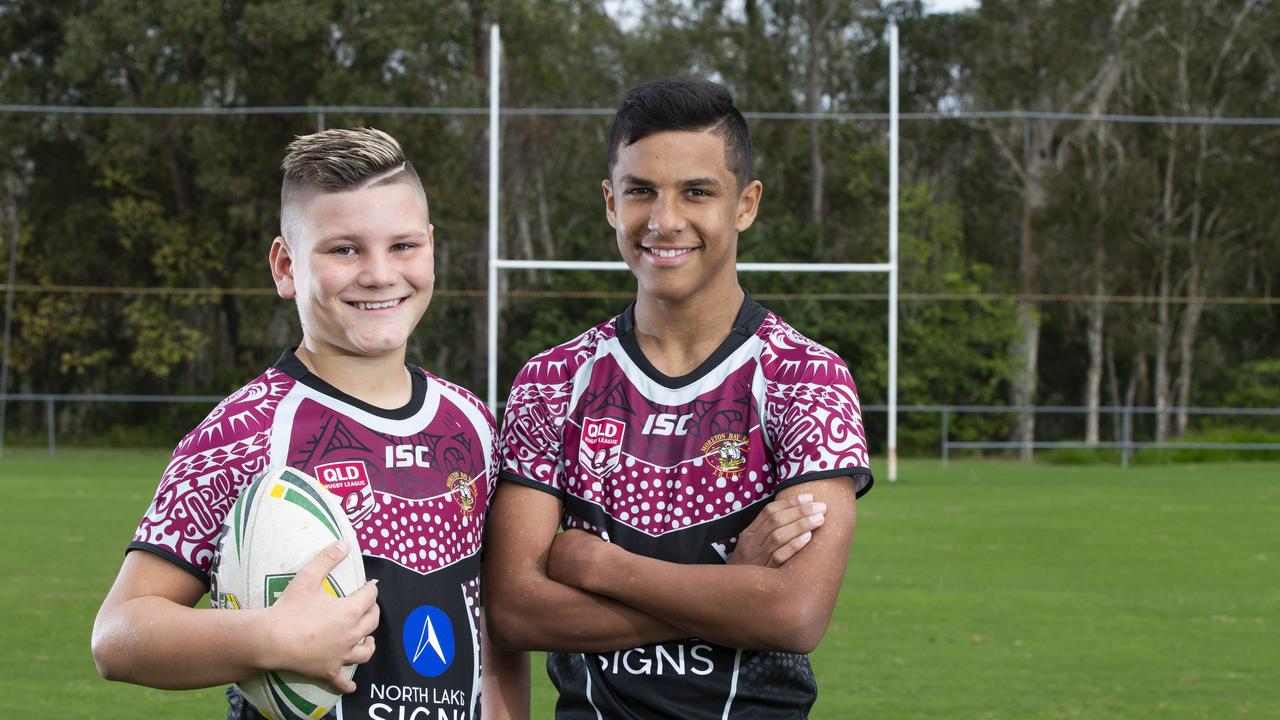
pixel 377 305
pixel 668 252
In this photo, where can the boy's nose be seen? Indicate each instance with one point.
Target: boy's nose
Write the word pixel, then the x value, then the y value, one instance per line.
pixel 665 217
pixel 377 271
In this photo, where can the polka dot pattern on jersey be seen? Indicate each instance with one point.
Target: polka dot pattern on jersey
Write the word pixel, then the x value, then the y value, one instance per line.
pixel 422 535
pixel 656 499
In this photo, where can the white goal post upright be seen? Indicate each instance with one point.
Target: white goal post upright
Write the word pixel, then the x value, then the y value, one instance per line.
pixel 497 263
pixel 893 253
pixel 495 57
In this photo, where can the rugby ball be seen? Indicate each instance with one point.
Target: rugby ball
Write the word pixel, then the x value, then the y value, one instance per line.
pixel 275 527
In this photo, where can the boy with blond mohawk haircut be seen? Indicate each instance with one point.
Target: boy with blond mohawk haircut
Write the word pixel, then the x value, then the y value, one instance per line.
pixel 411 456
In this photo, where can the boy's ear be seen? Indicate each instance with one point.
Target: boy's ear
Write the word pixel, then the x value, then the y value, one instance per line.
pixel 609 211
pixel 748 205
pixel 282 269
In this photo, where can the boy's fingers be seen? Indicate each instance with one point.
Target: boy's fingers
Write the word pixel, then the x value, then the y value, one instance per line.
pixel 341 682
pixel 369 621
pixel 789 513
pixel 363 650
pixel 786 552
pixel 325 561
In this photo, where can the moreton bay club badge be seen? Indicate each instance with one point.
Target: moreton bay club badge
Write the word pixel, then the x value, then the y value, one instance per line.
pixel 601 447
pixel 464 489
pixel 727 453
pixel 348 480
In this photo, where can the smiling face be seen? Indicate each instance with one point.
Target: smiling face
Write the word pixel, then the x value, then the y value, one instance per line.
pixel 677 211
pixel 360 265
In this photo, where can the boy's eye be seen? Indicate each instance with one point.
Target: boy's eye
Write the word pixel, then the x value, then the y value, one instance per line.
pixel 640 191
pixel 343 251
pixel 402 247
pixel 698 192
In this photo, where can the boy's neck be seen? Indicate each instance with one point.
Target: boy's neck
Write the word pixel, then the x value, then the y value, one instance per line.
pixel 382 381
pixel 677 337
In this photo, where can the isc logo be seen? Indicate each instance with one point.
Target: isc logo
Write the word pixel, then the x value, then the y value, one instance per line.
pixel 667 424
pixel 407 456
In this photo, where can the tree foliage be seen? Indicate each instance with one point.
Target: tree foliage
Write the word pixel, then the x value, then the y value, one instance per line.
pixel 188 203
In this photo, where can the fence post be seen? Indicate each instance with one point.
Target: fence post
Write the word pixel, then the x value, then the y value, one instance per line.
pixel 1126 434
pixel 49 419
pixel 946 447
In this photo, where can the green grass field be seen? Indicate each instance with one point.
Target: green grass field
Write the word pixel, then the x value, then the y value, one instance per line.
pixel 982 590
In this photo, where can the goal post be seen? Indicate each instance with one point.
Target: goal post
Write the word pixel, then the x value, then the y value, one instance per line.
pixel 890 268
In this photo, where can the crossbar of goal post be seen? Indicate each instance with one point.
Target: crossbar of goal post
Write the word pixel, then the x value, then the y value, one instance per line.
pixel 497 263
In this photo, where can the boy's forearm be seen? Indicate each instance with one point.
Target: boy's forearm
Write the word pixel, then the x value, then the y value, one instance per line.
pixel 526 609
pixel 546 615
pixel 745 606
pixel 505 681
pixel 156 642
pixel 742 606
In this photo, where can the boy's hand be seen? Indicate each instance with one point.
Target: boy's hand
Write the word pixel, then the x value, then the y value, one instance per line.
pixel 313 633
pixel 780 531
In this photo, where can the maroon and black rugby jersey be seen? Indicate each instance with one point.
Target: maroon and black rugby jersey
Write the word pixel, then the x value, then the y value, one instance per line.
pixel 675 469
pixel 416 483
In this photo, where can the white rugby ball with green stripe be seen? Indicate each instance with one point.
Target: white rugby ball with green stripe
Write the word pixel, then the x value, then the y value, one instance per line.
pixel 277 526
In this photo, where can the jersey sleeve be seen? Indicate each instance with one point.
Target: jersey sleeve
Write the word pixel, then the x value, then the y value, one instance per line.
pixel 532 428
pixel 208 469
pixel 814 420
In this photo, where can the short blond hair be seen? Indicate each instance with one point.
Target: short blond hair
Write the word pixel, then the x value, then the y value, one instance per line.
pixel 340 160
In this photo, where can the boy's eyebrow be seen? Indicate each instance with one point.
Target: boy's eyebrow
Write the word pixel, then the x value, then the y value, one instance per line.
pixel 349 237
pixel 692 182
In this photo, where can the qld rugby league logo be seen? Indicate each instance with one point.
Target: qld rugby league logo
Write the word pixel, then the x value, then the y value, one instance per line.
pixel 463 487
pixel 727 453
pixel 600 449
pixel 349 480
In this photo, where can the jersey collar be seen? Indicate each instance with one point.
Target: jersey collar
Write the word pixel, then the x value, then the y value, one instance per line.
pixel 750 316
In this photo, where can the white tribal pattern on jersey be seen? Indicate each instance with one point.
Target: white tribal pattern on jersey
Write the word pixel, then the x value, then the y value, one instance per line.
pixel 676 468
pixel 416 483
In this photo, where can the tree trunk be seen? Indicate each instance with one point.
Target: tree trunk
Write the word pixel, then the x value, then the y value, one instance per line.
pixel 1164 336
pixel 1093 380
pixel 1186 347
pixel 1024 383
pixel 818 18
pixel 1027 348
pixel 1113 392
pixel 547 240
pixel 1164 332
pixel 1136 391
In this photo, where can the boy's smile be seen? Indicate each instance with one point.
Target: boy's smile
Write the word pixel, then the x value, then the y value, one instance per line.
pixel 362 269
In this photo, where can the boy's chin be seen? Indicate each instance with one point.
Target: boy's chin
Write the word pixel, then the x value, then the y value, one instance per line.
pixel 375 347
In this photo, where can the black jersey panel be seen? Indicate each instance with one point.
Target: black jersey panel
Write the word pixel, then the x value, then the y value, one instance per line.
pixel 706 542
pixel 423 635
pixel 682 680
